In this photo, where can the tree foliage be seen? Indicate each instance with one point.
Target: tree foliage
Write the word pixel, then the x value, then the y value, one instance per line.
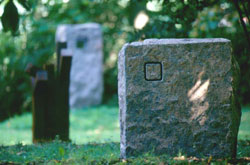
pixel 10 17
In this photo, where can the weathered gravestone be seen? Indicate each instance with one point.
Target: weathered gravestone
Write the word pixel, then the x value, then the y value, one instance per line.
pixel 86 77
pixel 178 96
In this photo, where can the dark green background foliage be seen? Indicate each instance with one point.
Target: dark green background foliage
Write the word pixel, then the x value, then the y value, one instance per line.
pixel 173 19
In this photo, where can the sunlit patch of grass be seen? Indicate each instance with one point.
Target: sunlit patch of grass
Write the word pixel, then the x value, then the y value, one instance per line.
pixel 16 130
pixel 96 124
pixel 244 131
pixel 57 151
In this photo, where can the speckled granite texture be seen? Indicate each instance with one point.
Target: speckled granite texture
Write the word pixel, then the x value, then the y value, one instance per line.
pixel 178 96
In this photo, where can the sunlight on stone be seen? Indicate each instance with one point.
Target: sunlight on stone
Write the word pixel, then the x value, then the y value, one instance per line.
pixel 197 95
pixel 191 91
pixel 141 20
pixel 198 110
pixel 197 84
pixel 200 93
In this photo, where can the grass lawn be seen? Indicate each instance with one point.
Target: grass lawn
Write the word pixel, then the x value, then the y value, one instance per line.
pixel 244 132
pixel 96 124
pixel 95 139
pixel 106 153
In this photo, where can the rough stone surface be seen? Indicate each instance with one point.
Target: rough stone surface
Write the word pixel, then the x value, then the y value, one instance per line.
pixel 86 77
pixel 178 96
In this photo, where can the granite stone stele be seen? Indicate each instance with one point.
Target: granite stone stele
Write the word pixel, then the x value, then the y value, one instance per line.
pixel 86 77
pixel 178 96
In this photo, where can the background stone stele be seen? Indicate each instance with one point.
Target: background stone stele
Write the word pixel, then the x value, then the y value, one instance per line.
pixel 178 96
pixel 86 77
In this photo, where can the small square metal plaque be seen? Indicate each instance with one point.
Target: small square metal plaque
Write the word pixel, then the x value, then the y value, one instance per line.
pixel 153 71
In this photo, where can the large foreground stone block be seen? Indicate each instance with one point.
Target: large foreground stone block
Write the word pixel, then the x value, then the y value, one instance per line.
pixel 86 77
pixel 178 96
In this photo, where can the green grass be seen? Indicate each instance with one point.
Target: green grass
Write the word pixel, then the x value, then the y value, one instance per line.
pixel 244 132
pixel 106 153
pixel 16 130
pixel 95 140
pixel 96 124
pixel 58 151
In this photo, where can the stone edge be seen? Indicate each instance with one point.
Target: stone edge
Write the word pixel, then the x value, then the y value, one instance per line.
pixel 174 41
pixel 122 99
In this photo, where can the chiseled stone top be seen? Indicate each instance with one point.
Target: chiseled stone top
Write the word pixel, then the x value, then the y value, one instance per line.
pixel 178 96
pixel 178 41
